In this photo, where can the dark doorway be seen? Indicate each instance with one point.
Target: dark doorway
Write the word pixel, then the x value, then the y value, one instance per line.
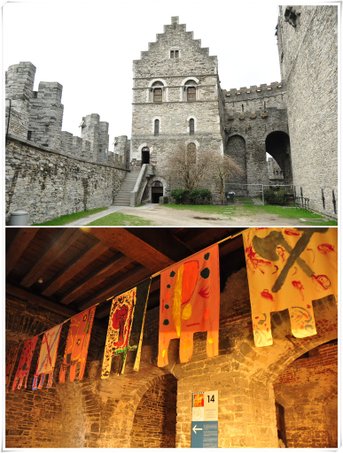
pixel 278 146
pixel 156 191
pixel 145 155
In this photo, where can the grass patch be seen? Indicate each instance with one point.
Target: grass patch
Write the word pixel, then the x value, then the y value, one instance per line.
pixel 119 219
pixel 65 219
pixel 238 210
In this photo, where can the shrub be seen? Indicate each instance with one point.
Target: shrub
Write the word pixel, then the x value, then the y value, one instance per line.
pixel 180 195
pixel 278 196
pixel 200 196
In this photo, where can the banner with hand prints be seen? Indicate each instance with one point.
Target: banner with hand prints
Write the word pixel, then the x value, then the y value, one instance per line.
pixel 288 268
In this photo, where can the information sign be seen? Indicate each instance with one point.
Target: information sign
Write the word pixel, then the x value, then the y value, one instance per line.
pixel 205 419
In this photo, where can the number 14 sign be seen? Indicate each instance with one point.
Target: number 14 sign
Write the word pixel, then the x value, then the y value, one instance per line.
pixel 205 419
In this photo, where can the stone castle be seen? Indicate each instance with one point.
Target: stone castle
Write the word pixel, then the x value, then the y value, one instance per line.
pixel 178 103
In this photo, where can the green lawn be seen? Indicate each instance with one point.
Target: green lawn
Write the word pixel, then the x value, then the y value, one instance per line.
pixel 246 209
pixel 119 219
pixel 65 219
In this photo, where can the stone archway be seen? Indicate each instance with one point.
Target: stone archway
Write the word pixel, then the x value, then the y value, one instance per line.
pixel 278 146
pixel 236 149
pixel 156 191
pixel 154 424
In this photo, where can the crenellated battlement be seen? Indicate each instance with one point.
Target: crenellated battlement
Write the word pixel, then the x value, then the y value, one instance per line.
pixel 37 116
pixel 253 92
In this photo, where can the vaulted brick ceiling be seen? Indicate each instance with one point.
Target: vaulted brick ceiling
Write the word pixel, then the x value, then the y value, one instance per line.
pixel 67 270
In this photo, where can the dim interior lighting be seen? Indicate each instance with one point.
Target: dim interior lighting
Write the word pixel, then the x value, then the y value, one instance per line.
pixel 40 280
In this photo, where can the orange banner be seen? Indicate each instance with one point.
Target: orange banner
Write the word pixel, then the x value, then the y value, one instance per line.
pixel 189 303
pixel 288 268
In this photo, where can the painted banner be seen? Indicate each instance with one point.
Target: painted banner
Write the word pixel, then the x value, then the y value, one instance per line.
pixel 24 365
pixel 11 357
pixel 288 268
pixel 75 354
pixel 47 358
pixel 118 331
pixel 189 303
pixel 136 337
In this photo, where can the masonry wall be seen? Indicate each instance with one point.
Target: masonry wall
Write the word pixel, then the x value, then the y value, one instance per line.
pixel 308 56
pixel 308 380
pixel 109 413
pixel 47 184
pixel 174 112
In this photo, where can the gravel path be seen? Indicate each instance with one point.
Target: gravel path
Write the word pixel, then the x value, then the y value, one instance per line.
pixel 162 216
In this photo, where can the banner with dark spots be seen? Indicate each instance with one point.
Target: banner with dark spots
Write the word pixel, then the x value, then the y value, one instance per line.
pixel 75 354
pixel 118 331
pixel 189 303
pixel 288 268
pixel 24 364
pixel 47 358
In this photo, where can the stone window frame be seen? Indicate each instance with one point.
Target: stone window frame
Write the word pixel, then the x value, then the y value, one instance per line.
pixel 155 132
pixel 189 132
pixel 174 53
pixel 157 84
pixel 197 145
pixel 190 82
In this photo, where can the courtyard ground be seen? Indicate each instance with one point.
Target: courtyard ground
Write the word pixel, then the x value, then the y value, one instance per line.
pixel 231 215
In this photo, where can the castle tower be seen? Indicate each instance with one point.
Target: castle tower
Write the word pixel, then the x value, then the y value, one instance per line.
pixel 176 100
pixel 19 92
pixel 46 115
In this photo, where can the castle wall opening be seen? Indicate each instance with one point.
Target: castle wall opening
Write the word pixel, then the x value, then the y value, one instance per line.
pixel 278 146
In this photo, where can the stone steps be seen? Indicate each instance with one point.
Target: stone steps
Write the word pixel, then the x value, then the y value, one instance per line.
pixel 123 196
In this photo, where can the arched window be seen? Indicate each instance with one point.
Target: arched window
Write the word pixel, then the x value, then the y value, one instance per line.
pixel 157 127
pixel 157 89
pixel 191 90
pixel 191 126
pixel 191 153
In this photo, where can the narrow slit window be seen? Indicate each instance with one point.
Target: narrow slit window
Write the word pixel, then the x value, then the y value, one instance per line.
pixel 157 127
pixel 191 126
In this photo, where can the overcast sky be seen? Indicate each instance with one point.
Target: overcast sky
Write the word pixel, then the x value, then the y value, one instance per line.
pixel 89 47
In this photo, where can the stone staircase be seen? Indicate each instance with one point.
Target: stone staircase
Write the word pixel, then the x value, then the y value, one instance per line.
pixel 123 196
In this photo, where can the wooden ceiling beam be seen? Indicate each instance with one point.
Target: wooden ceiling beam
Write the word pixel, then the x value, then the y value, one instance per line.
pixel 74 268
pixel 132 246
pixel 132 279
pixel 25 295
pixel 96 279
pixel 59 246
pixel 18 246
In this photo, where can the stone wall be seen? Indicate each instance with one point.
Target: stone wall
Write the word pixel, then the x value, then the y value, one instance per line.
pixel 310 379
pixel 192 65
pixel 308 58
pixel 47 184
pixel 109 413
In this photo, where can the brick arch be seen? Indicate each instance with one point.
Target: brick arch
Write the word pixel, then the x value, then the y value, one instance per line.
pixel 154 424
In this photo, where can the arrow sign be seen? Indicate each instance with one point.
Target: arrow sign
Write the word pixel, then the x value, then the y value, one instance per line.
pixel 195 429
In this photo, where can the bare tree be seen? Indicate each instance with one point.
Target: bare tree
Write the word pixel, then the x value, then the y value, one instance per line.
pixel 190 170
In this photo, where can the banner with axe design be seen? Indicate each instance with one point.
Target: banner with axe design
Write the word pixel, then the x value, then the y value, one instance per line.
pixel 288 268
pixel 47 358
pixel 189 303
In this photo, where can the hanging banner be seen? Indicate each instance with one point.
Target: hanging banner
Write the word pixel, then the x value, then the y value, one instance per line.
pixel 136 337
pixel 47 358
pixel 24 365
pixel 75 354
pixel 118 331
pixel 189 303
pixel 288 268
pixel 11 357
